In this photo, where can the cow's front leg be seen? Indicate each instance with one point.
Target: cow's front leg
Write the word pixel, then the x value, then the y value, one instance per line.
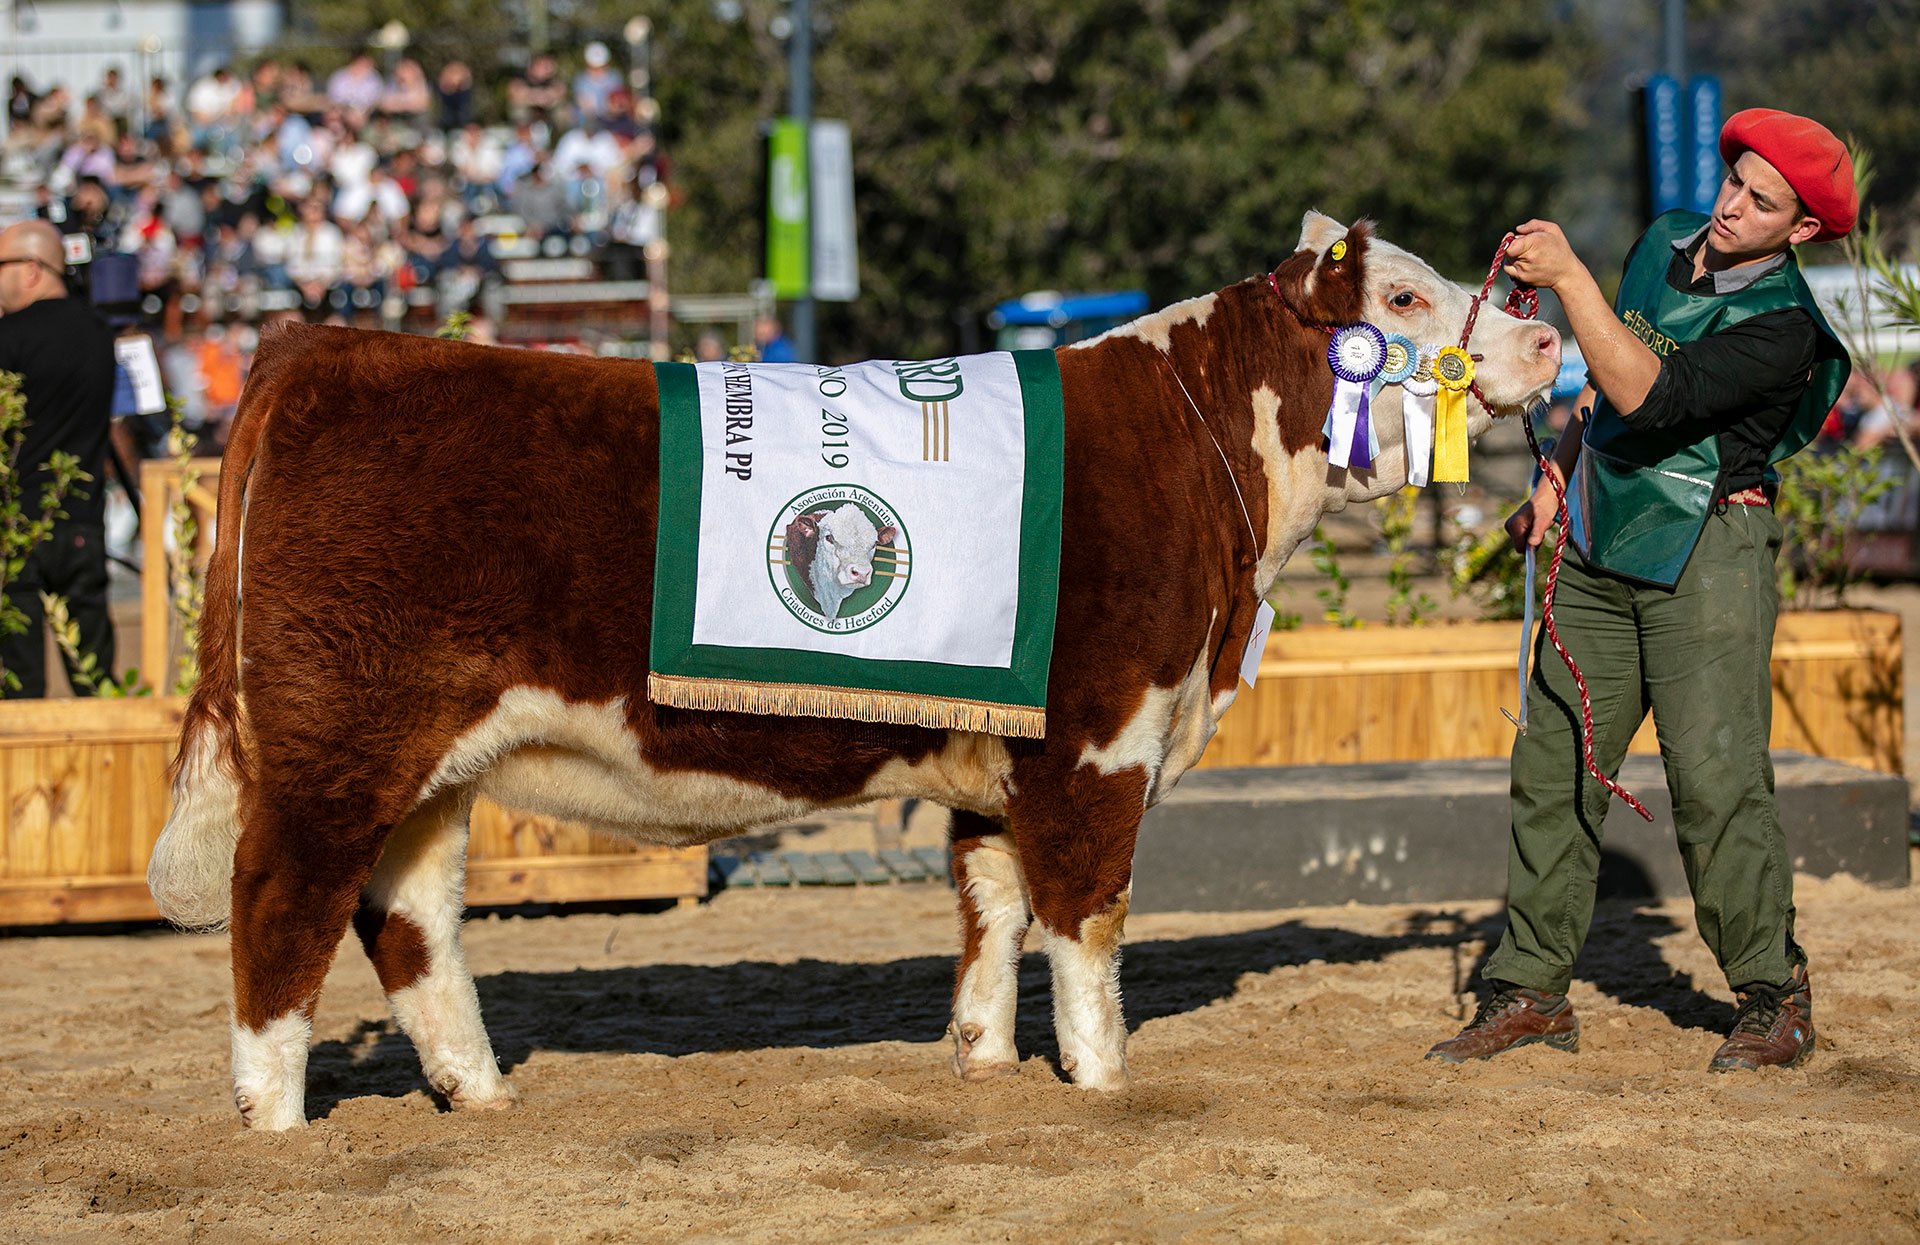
pixel 1086 997
pixel 409 923
pixel 1076 839
pixel 993 924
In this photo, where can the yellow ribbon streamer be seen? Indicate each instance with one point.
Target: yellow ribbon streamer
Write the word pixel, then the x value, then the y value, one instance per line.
pixel 1453 370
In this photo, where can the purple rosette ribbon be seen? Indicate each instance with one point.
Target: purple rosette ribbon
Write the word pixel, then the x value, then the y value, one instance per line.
pixel 1356 354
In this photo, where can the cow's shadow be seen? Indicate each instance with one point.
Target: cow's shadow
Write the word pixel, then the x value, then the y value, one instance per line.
pixel 680 1009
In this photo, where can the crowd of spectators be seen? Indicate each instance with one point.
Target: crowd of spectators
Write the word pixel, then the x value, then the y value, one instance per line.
pixel 332 198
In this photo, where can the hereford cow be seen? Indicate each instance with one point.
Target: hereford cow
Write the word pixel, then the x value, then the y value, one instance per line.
pixel 434 580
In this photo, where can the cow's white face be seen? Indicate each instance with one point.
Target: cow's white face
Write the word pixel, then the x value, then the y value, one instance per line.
pixel 1517 359
pixel 847 540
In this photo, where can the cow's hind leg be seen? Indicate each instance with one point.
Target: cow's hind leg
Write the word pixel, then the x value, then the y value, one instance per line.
pixel 297 873
pixel 1076 838
pixel 993 924
pixel 409 923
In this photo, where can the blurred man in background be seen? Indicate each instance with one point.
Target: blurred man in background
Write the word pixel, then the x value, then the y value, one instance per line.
pixel 64 352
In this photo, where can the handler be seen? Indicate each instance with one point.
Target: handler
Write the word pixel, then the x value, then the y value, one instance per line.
pixel 1713 365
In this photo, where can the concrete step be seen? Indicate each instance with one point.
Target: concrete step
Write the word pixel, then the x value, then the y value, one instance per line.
pixel 1431 831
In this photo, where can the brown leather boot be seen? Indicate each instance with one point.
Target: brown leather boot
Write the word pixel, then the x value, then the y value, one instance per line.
pixel 1773 1028
pixel 1513 1016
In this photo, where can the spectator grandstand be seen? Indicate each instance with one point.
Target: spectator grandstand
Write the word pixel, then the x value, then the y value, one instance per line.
pixel 381 194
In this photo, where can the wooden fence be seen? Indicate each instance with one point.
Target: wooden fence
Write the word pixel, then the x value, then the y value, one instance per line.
pixel 1328 695
pixel 85 794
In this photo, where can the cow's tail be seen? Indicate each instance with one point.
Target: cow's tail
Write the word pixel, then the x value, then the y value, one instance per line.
pixel 191 870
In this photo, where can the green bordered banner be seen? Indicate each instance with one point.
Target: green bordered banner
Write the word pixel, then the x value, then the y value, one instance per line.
pixel 879 541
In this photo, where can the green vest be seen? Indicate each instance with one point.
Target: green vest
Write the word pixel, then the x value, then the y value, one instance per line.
pixel 1640 499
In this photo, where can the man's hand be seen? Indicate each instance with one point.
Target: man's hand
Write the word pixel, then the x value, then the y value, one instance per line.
pixel 1528 525
pixel 1541 256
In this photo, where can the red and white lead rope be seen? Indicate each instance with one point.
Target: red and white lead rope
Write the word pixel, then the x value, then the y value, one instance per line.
pixel 1523 301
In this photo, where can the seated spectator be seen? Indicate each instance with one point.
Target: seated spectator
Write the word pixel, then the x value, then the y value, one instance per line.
pixel 132 170
pixel 51 122
pixel 710 348
pixel 297 91
pixel 589 144
pixel 540 203
pixel 453 88
pixel 265 82
pixel 95 121
pixel 314 250
pixel 586 200
pixel 469 253
pixel 520 157
pixel 270 243
pixel 355 88
pixel 166 128
pixel 593 87
pixel 407 99
pixel 376 193
pixel 185 202
pixel 211 102
pixel 353 158
pixel 117 101
pixel 292 138
pixel 20 105
pixel 367 265
pixel 538 94
pixel 87 156
pixel 477 158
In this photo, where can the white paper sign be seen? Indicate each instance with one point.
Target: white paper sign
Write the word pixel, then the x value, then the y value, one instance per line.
pixel 136 358
pixel 1256 644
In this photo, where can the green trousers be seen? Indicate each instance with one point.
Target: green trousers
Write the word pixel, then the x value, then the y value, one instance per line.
pixel 1697 656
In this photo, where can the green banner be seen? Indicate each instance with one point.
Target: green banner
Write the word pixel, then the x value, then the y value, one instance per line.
pixel 787 199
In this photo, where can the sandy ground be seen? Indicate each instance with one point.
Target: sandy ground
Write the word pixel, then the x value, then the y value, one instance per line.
pixel 770 1066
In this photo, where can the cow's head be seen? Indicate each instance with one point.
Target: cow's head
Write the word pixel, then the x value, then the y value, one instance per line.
pixel 847 541
pixel 1515 360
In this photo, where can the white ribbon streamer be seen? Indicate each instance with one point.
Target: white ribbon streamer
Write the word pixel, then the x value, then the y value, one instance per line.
pixel 1416 407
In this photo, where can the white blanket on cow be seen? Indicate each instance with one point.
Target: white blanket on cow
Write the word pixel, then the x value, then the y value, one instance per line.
pixel 878 540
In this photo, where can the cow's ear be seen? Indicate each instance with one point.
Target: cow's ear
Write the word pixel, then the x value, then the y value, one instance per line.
pixel 886 535
pixel 806 526
pixel 1318 231
pixel 1327 287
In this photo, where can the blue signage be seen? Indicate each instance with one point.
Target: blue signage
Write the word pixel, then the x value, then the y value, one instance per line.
pixel 1704 170
pixel 1666 141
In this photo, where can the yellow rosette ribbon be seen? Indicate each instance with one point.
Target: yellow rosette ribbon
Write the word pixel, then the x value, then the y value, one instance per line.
pixel 1452 370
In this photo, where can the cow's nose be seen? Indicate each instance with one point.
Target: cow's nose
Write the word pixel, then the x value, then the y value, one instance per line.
pixel 1546 340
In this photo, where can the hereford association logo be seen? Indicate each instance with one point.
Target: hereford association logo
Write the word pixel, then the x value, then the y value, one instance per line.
pixel 838 557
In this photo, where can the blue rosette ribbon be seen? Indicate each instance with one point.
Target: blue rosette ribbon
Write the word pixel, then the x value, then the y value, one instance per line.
pixel 1356 354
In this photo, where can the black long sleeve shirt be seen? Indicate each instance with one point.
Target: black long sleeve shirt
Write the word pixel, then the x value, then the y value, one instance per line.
pixel 65 353
pixel 1743 383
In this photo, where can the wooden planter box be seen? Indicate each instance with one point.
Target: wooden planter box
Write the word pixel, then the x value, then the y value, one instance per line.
pixel 1376 693
pixel 84 785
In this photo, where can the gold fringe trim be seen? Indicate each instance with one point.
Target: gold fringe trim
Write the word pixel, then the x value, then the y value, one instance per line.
pixel 806 700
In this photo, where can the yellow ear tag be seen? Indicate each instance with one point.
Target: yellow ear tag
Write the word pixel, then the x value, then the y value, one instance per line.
pixel 1338 251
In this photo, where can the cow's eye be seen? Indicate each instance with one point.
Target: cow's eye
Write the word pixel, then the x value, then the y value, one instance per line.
pixel 1404 299
pixel 828 537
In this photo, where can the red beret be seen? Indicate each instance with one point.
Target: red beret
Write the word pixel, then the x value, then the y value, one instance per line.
pixel 1806 153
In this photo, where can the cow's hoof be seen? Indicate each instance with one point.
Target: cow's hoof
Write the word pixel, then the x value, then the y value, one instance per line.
pixel 984 1070
pixel 503 1098
pixel 260 1114
pixel 1095 1074
pixel 974 1060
